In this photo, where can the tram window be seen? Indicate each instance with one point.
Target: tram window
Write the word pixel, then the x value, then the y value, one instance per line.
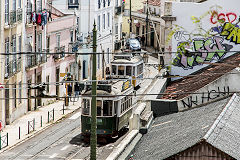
pixel 86 106
pixel 120 70
pixel 114 70
pixel 107 108
pixel 115 107
pixel 99 108
pixel 139 69
pixel 129 70
pixel 134 71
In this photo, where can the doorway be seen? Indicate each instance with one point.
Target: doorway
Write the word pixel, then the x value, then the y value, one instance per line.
pixel 152 37
pixel 29 95
pixel 57 80
pixel 39 80
pixel 7 114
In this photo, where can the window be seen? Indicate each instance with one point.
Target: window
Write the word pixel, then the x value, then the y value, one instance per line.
pixel 86 106
pixel 58 40
pixel 14 5
pixel 129 70
pixel 104 3
pixel 71 36
pixel 121 70
pixel 114 70
pixel 39 42
pixel 19 3
pixel 107 108
pixel 139 69
pixel 47 80
pixel 39 5
pixel 109 2
pixel 99 4
pixel 73 4
pixel 108 56
pixel 6 11
pixel 7 69
pixel 14 93
pixel 116 3
pixel 104 21
pixel 116 30
pixel 108 15
pixel 143 30
pixel 98 58
pixel 19 43
pixel 99 18
pixel 14 51
pixel 99 108
pixel 20 92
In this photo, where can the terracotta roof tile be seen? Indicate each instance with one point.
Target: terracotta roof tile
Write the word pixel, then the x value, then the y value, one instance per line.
pixel 199 80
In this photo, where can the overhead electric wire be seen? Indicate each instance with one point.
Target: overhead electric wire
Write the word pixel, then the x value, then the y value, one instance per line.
pixel 130 95
pixel 119 79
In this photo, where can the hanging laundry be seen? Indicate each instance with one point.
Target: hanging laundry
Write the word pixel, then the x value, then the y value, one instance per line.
pixel 39 19
pixel 34 17
pixel 44 15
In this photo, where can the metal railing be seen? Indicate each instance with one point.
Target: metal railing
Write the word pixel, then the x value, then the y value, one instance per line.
pixel 3 141
pixel 13 16
pixel 19 15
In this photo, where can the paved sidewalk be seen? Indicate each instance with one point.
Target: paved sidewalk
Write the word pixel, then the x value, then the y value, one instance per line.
pixel 13 129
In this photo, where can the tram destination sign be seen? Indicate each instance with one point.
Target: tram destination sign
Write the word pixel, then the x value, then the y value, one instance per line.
pixel 126 85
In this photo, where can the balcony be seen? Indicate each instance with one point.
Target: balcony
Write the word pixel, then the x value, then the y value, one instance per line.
pixel 60 52
pixel 12 68
pixel 19 15
pixel 13 17
pixel 35 60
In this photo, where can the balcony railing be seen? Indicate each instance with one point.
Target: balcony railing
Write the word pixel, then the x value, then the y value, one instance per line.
pixel 60 52
pixel 34 60
pixel 19 15
pixel 12 67
pixel 13 16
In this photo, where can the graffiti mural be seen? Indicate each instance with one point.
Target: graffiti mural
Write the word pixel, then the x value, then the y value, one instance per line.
pixel 203 49
pixel 222 17
pixel 231 32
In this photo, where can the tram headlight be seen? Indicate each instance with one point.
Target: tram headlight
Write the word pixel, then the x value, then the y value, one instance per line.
pixel 104 131
pixel 86 130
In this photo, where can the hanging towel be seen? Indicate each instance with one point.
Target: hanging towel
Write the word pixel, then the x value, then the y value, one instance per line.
pixel 34 17
pixel 39 19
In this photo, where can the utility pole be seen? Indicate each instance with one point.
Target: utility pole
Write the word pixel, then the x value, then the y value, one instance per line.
pixel 93 138
pixel 130 17
pixel 146 27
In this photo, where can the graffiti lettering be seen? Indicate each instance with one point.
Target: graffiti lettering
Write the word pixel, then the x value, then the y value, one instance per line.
pixel 206 97
pixel 231 32
pixel 207 49
pixel 182 36
pixel 221 17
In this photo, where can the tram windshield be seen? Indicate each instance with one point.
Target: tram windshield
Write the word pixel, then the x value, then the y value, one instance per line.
pixel 107 108
pixel 86 106
pixel 129 70
pixel 120 70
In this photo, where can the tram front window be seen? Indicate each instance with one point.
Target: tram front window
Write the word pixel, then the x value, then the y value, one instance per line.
pixel 120 70
pixel 86 106
pixel 99 108
pixel 114 70
pixel 129 70
pixel 107 108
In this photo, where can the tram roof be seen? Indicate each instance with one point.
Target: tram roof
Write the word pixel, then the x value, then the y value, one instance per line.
pixel 127 59
pixel 116 89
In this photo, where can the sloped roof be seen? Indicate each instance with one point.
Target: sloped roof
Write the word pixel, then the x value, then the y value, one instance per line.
pixel 217 123
pixel 198 80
